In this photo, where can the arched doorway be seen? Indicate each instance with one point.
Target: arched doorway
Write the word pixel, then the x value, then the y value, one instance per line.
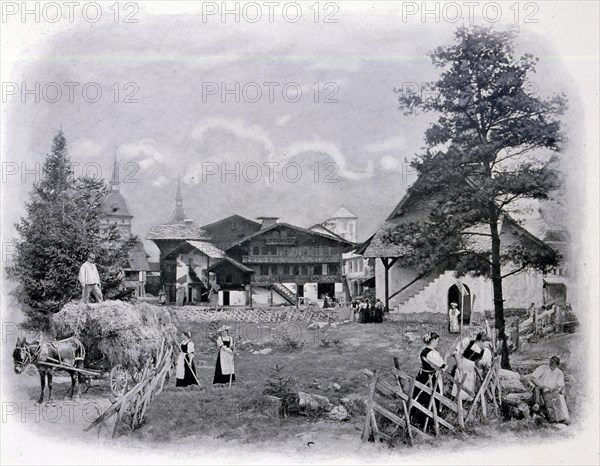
pixel 462 296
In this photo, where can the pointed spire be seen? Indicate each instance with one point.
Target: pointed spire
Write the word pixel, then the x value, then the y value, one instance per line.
pixel 114 182
pixel 179 215
pixel 178 196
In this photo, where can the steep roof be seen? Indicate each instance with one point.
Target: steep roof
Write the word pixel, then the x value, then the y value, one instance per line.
pixel 377 247
pixel 115 205
pixel 233 262
pixel 137 258
pixel 293 227
pixel 326 231
pixel 202 246
pixel 230 229
pixel 177 231
pixel 343 213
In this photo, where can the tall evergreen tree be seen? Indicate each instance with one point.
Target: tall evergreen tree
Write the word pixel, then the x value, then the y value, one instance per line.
pixel 61 227
pixel 494 127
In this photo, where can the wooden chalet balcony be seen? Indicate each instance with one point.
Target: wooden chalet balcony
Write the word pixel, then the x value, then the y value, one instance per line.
pixel 268 259
pixel 300 279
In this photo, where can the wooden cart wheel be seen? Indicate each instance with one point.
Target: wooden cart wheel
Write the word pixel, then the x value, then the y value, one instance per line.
pixel 118 380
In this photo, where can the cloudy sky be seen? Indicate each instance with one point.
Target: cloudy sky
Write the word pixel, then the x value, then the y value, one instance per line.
pixel 343 129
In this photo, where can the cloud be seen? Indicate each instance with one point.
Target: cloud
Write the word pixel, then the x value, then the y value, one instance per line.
pixel 392 144
pixel 391 164
pixel 240 129
pixel 144 153
pixel 85 149
pixel 160 181
pixel 283 120
pixel 334 153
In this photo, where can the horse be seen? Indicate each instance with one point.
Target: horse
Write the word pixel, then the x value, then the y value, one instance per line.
pixel 68 353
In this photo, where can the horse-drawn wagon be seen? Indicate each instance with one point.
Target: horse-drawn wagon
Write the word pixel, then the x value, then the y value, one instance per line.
pixel 119 339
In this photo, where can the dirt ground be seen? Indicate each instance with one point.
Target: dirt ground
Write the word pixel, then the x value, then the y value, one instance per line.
pixel 242 418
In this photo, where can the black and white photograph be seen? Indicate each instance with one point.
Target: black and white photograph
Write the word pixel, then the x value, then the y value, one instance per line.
pixel 300 232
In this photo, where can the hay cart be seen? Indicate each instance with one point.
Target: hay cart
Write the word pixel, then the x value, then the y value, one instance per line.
pixel 118 376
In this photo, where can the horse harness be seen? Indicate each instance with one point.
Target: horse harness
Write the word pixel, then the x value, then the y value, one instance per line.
pixel 42 355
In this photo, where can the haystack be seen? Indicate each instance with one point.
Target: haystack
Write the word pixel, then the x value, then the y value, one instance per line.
pixel 115 332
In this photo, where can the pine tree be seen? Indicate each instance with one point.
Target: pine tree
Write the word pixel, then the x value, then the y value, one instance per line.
pixel 61 227
pixel 493 127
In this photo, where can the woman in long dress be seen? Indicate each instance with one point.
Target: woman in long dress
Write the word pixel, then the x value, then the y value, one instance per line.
pixel 186 370
pixel 469 352
pixel 224 370
pixel 453 314
pixel 431 360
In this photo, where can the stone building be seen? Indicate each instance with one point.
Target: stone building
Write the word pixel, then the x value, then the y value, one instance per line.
pixel 117 212
pixel 404 290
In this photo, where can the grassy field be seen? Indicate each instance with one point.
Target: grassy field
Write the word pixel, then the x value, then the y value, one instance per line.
pixel 243 413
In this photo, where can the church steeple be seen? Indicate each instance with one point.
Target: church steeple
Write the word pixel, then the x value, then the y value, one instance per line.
pixel 114 182
pixel 178 196
pixel 179 215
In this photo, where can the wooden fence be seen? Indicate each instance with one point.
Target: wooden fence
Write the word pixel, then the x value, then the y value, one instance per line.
pixel 130 408
pixel 288 314
pixel 394 399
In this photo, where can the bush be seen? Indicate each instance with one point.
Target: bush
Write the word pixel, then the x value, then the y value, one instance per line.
pixel 283 386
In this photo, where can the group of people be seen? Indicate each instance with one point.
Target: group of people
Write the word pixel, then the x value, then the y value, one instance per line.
pixel 364 312
pixel 473 356
pixel 224 368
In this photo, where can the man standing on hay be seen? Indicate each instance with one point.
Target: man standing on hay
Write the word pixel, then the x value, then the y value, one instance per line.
pixel 90 280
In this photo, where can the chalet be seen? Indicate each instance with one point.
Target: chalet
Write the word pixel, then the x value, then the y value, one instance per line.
pixel 358 271
pixel 116 211
pixel 188 250
pixel 406 291
pixel 186 266
pixel 290 262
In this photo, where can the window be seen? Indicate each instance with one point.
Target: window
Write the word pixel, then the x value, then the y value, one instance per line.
pixel 304 270
pixel 256 251
pixel 296 270
pixel 274 270
pixel 332 269
pixel 317 268
pixel 286 270
pixel 228 278
pixel 264 270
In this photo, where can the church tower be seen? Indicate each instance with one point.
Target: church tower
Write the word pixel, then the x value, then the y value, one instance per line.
pixel 179 215
pixel 115 207
pixel 342 223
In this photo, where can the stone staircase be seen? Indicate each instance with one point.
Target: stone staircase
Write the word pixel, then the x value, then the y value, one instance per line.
pixel 420 295
pixel 285 292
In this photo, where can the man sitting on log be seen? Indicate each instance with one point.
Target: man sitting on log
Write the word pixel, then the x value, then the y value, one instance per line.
pixel 548 383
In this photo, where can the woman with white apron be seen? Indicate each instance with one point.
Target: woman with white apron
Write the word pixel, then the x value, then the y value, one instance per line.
pixel 224 370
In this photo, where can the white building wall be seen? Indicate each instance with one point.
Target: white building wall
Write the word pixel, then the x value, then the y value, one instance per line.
pixel 520 290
